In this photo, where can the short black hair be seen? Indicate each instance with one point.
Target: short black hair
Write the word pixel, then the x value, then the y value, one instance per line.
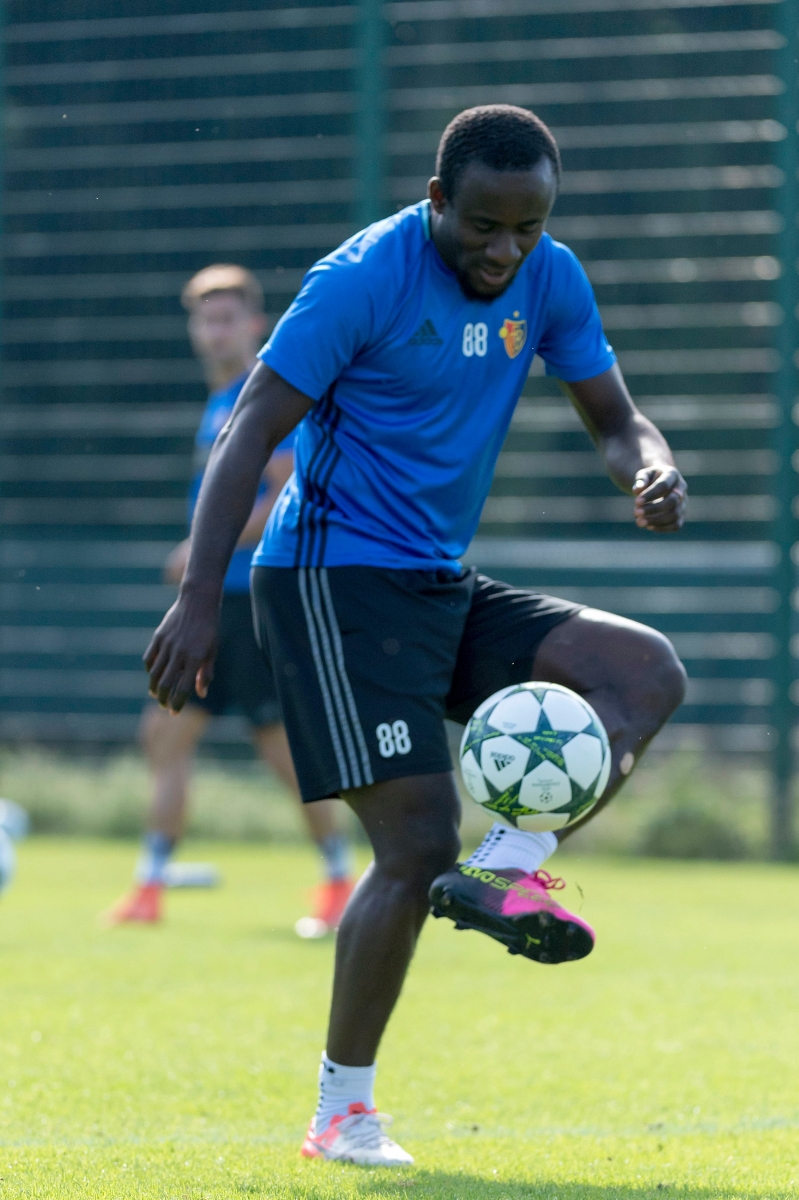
pixel 502 136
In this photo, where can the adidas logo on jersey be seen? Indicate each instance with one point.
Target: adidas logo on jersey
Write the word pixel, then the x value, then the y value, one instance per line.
pixel 426 335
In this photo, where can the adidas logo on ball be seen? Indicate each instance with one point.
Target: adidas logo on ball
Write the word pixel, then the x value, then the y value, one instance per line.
pixel 502 760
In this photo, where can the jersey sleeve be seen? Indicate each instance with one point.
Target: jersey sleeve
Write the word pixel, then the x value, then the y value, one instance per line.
pixel 573 345
pixel 328 323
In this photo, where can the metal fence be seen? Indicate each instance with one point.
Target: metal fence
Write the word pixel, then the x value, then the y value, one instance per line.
pixel 141 147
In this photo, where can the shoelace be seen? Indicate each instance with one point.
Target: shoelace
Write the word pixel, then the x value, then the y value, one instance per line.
pixel 552 883
pixel 367 1131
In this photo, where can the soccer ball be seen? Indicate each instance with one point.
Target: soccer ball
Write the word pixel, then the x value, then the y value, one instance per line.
pixel 8 860
pixel 536 754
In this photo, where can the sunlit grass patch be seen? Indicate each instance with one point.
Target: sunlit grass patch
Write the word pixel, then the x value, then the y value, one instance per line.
pixel 180 1061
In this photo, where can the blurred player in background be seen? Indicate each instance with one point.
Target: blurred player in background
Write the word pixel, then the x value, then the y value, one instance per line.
pixel 227 325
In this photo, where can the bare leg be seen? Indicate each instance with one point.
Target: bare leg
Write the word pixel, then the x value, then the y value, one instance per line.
pixel 323 817
pixel 413 827
pixel 628 672
pixel 169 742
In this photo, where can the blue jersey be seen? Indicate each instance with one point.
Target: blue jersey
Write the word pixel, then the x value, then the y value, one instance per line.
pixel 217 410
pixel 414 387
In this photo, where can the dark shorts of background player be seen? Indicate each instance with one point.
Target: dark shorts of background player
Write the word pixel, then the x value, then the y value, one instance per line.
pixel 368 662
pixel 243 681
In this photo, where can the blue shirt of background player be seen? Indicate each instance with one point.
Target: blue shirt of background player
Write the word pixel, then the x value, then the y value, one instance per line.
pixel 217 410
pixel 415 385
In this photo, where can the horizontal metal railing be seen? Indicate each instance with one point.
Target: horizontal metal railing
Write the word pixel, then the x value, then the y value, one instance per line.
pixel 141 146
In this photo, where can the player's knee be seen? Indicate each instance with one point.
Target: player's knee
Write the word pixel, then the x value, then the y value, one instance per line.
pixel 151 733
pixel 443 851
pixel 671 676
pixel 663 681
pixel 426 851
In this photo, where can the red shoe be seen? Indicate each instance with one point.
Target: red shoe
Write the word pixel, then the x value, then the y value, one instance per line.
pixel 330 900
pixel 143 905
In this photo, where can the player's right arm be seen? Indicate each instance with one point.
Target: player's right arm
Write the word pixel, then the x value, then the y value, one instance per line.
pixel 181 653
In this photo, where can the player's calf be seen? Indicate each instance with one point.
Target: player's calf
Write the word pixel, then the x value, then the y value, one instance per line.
pixel 412 826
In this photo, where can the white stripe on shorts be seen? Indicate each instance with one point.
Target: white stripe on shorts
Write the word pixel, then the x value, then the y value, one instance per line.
pixel 323 685
pixel 345 682
pixel 333 677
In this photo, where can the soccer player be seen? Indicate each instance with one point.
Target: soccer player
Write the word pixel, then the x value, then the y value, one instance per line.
pixel 406 351
pixel 226 327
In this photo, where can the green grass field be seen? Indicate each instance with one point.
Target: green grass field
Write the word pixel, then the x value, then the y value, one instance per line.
pixel 180 1062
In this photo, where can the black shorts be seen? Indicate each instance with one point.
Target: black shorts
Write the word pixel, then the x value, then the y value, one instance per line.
pixel 368 663
pixel 243 681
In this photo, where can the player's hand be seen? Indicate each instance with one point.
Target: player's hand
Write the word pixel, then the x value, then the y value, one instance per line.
pixel 660 499
pixel 181 653
pixel 175 565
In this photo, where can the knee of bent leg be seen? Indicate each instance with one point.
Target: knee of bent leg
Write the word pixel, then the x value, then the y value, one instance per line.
pixel 667 676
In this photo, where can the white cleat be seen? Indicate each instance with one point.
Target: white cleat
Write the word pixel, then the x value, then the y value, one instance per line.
pixel 360 1138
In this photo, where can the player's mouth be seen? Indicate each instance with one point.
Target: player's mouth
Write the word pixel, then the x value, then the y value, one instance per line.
pixel 494 279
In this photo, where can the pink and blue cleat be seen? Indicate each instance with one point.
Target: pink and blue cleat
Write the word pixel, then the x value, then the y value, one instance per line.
pixel 515 908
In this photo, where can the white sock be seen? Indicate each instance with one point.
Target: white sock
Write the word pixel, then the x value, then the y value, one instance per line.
pixel 505 847
pixel 339 1087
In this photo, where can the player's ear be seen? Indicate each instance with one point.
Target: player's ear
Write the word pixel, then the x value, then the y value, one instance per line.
pixel 436 196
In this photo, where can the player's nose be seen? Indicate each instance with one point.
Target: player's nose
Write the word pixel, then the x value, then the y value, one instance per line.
pixel 504 250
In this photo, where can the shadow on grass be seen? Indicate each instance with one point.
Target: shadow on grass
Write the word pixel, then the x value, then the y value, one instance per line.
pixel 447 1185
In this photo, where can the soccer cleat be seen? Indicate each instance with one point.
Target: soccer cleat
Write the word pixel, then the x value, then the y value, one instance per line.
pixel 330 900
pixel 359 1137
pixel 143 905
pixel 515 908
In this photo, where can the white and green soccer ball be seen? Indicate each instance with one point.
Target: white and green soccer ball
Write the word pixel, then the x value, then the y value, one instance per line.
pixel 536 754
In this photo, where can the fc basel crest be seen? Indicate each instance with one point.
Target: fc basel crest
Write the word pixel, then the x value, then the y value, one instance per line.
pixel 514 335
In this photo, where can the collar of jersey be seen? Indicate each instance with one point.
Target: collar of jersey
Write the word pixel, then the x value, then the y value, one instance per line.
pixel 426 219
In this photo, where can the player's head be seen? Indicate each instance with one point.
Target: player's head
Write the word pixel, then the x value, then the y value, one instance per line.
pixel 225 304
pixel 497 176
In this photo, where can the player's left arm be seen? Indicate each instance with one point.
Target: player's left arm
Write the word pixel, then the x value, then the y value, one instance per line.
pixel 637 455
pixel 277 473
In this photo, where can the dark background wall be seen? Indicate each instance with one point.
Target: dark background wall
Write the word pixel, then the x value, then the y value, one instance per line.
pixel 142 147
